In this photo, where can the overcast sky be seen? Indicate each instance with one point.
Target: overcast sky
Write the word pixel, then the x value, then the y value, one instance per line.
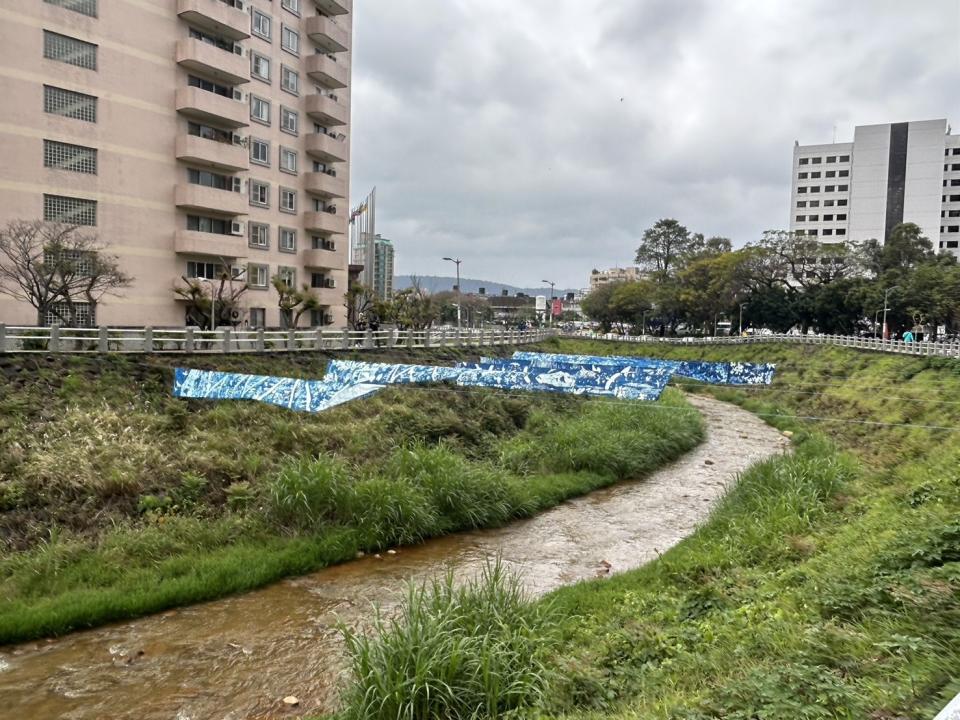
pixel 539 138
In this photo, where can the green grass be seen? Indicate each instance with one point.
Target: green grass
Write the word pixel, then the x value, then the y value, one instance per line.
pixel 117 500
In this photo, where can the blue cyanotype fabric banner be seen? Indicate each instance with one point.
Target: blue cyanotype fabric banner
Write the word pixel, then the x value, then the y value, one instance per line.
pixel 346 380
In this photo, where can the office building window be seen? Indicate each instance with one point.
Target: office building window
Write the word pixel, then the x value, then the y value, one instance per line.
pixel 801 190
pixel 803 176
pixel 955 151
pixel 801 218
pixel 830 173
pixel 844 158
pixel 291 5
pixel 288 240
pixel 801 203
pixel 289 121
pixel 64 156
pixel 841 203
pixel 289 80
pixel 815 189
pixel 67 103
pixel 841 231
pixel 260 152
pixel 260 66
pixel 813 218
pixel 290 40
pixel 815 175
pixel 843 188
pixel 953 228
pixel 259 235
pixel 814 203
pixel 288 200
pixel 816 161
pixel 259 110
pixel 828 231
pixel 259 193
pixel 831 158
pixel 828 218
pixel 69 210
pixel 69 50
pixel 844 173
pixel 84 7
pixel 841 217
pixel 811 232
pixel 955 182
pixel 830 188
pixel 953 213
pixel 261 24
pixel 258 276
pixel 828 203
pixel 804 161
pixel 288 160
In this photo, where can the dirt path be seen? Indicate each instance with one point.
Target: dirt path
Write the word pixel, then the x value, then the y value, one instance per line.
pixel 237 658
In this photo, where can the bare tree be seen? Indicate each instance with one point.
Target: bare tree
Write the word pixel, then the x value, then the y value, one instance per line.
pixel 360 302
pixel 223 300
pixel 55 268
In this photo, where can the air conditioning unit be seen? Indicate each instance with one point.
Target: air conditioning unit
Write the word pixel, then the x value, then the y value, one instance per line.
pixel 237 185
pixel 238 4
pixel 238 95
pixel 237 49
pixel 330 283
pixel 332 209
pixel 238 139
pixel 236 228
pixel 328 319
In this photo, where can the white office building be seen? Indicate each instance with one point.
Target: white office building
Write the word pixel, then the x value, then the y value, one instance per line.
pixel 892 173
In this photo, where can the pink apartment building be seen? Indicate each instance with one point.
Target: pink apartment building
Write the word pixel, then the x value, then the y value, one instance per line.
pixel 189 135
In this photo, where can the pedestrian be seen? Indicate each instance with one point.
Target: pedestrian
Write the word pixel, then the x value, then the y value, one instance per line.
pixel 907 336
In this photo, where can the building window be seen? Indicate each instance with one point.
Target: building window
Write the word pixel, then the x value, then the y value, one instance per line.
pixel 828 218
pixel 259 236
pixel 64 156
pixel 841 231
pixel 84 314
pixel 84 7
pixel 844 173
pixel 844 158
pixel 802 176
pixel 212 180
pixel 288 200
pixel 258 317
pixel 258 276
pixel 320 317
pixel 260 66
pixel 955 151
pixel 841 203
pixel 801 190
pixel 814 203
pixel 209 133
pixel 804 161
pixel 953 228
pixel 69 50
pixel 260 152
pixel 288 160
pixel 801 203
pixel 955 182
pixel 259 110
pixel 830 173
pixel 289 80
pixel 815 189
pixel 953 213
pixel 318 280
pixel 288 240
pixel 813 218
pixel 261 24
pixel 259 193
pixel 828 203
pixel 831 158
pixel 289 121
pixel 67 103
pixel 323 243
pixel 843 188
pixel 828 231
pixel 816 161
pixel 811 232
pixel 829 188
pixel 291 5
pixel 69 210
pixel 801 218
pixel 208 86
pixel 215 226
pixel 205 270
pixel 815 175
pixel 290 40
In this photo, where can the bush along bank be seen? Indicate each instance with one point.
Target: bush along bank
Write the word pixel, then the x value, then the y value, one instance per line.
pixel 825 585
pixel 117 500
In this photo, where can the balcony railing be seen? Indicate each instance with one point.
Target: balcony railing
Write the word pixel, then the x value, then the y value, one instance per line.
pixel 326 71
pixel 325 222
pixel 212 153
pixel 211 107
pixel 325 185
pixel 327 34
pixel 215 16
pixel 227 67
pixel 326 148
pixel 335 7
pixel 326 111
pixel 192 242
pixel 201 197
pixel 321 259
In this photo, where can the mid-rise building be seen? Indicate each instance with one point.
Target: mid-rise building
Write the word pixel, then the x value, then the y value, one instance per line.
pixel 190 136
pixel 604 277
pixel 891 173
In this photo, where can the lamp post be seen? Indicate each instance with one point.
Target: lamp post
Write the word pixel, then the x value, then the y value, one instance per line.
pixel 875 328
pixel 886 294
pixel 742 306
pixel 457 261
pixel 550 309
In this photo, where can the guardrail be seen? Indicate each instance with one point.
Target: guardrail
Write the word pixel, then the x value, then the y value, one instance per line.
pixel 900 347
pixel 228 340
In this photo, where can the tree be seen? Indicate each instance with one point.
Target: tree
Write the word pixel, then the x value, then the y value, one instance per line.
pixel 361 303
pixel 412 307
pixel 224 299
pixel 293 303
pixel 598 305
pixel 906 248
pixel 664 245
pixel 709 288
pixel 55 268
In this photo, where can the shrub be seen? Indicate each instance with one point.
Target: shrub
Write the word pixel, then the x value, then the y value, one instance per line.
pixel 306 494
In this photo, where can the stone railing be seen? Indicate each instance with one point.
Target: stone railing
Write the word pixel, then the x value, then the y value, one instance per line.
pixel 228 340
pixel 937 349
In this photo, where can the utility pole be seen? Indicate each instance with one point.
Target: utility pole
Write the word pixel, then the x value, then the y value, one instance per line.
pixel 886 294
pixel 457 262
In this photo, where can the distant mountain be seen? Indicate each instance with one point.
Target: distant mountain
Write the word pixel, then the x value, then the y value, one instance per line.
pixel 435 283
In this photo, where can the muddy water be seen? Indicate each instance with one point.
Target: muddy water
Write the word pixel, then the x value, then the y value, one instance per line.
pixel 237 658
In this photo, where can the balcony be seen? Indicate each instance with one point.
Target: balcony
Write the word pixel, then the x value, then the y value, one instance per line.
pixel 219 18
pixel 323 185
pixel 212 108
pixel 335 7
pixel 324 222
pixel 201 197
pixel 321 259
pixel 212 153
pixel 327 34
pixel 192 242
pixel 327 71
pixel 326 148
pixel 226 67
pixel 327 112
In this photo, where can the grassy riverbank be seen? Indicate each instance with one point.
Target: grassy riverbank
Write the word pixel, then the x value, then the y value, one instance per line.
pixel 117 500
pixel 826 584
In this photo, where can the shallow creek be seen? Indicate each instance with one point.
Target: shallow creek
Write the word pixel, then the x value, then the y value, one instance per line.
pixel 236 659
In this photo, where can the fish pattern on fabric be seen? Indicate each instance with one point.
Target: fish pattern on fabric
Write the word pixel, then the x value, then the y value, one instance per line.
pixel 346 380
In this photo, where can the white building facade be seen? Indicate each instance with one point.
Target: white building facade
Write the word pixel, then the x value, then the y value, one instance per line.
pixel 891 173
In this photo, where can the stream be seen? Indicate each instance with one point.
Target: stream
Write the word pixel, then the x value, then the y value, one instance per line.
pixel 237 658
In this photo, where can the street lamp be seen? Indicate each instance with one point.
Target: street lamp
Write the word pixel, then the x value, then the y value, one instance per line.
pixel 457 262
pixel 886 295
pixel 550 309
pixel 742 306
